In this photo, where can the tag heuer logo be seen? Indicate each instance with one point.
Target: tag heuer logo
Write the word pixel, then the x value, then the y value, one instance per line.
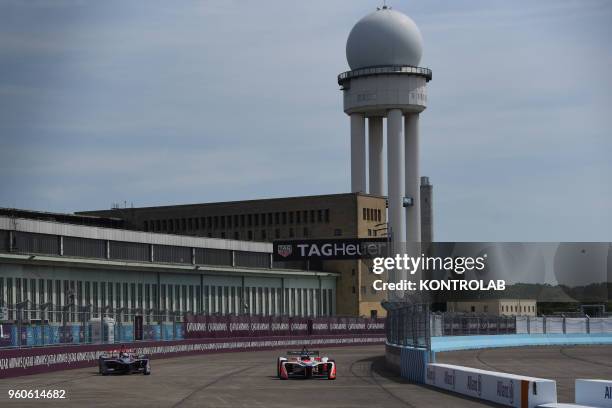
pixel 285 250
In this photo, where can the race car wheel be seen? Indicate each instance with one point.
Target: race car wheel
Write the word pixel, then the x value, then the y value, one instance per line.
pixel 331 372
pixel 147 370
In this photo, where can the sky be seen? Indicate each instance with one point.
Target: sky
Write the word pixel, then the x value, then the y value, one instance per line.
pixel 160 103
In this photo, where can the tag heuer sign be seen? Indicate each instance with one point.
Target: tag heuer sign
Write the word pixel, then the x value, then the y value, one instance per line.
pixel 322 249
pixel 284 250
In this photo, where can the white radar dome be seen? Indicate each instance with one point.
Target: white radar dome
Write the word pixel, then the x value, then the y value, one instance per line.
pixel 384 37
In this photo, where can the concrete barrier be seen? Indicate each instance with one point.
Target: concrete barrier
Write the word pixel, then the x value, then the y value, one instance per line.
pixel 501 388
pixel 595 393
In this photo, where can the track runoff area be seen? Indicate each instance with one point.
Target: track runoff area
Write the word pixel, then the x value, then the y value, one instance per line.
pixel 248 379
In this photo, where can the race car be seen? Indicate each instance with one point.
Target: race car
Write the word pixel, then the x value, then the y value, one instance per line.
pixel 305 364
pixel 123 362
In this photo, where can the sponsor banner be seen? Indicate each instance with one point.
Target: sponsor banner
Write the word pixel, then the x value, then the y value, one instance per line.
pixel 18 362
pixel 596 393
pixel 328 249
pixel 502 388
pixel 202 326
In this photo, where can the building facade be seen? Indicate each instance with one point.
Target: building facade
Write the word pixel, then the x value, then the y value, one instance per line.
pixel 47 266
pixel 351 215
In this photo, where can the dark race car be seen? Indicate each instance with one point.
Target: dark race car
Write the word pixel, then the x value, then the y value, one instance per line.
pixel 305 364
pixel 123 362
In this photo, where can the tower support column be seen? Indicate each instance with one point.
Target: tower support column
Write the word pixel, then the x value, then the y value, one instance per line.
pixel 396 175
pixel 375 147
pixel 412 179
pixel 358 153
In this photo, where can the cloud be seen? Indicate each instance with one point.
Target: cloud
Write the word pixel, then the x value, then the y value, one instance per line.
pixel 210 101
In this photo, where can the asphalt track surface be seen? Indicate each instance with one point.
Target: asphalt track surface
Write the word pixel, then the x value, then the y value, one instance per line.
pixel 248 380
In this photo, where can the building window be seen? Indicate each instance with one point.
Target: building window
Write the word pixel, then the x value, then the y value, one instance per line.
pixel 190 224
pixel 284 218
pixel 236 235
pixel 277 233
pixel 146 226
pixel 249 220
pixel 337 232
pixel 256 219
pixel 298 217
pixel 327 215
pixel 291 234
pixel 229 221
pixel 290 217
pixel 473 309
pixel 369 232
pixel 312 216
pixel 364 214
pixel 223 235
pixel 486 308
pixel 250 235
pixel 305 216
pixel 305 232
pixel 196 222
pixel 263 235
pixel 320 215
pixel 222 221
pixel 353 289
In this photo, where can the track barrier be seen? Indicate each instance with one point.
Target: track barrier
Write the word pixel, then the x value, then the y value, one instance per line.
pixel 501 388
pixel 595 393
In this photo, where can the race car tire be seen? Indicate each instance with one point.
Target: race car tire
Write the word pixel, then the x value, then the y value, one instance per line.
pixel 278 365
pixel 147 370
pixel 328 377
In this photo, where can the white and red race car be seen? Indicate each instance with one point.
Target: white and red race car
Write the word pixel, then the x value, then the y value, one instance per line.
pixel 305 364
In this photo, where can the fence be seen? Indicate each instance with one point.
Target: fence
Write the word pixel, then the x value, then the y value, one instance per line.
pixel 563 325
pixel 408 324
pixel 122 326
pixel 458 324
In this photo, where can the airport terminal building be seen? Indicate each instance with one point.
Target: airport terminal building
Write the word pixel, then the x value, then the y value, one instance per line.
pixel 50 262
pixel 349 215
